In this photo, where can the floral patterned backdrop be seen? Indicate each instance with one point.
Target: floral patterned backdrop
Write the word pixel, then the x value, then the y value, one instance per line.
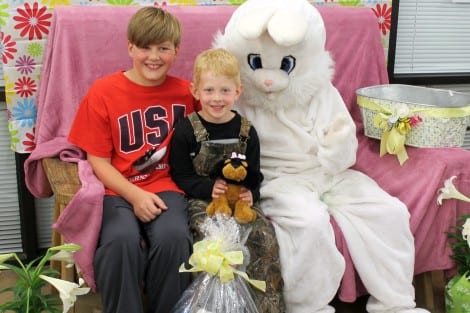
pixel 24 29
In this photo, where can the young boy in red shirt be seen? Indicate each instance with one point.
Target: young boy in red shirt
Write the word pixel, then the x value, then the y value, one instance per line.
pixel 124 124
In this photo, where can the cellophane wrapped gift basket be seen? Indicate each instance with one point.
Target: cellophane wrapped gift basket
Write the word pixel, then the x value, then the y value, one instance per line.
pixel 416 116
pixel 220 259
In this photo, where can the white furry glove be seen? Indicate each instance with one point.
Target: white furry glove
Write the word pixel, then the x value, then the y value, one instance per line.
pixel 339 131
pixel 338 144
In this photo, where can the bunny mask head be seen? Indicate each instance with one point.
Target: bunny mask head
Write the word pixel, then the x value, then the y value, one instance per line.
pixel 281 48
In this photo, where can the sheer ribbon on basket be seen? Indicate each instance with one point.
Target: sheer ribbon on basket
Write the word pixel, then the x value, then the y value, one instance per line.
pixel 209 257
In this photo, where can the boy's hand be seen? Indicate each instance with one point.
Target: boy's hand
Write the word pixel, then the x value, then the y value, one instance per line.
pixel 148 206
pixel 220 187
pixel 246 195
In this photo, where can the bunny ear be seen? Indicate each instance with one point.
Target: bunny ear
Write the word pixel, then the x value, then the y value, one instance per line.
pixel 255 22
pixel 241 156
pixel 287 27
pixel 234 155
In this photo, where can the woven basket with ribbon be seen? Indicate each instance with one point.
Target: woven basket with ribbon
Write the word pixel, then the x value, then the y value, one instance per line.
pixel 416 116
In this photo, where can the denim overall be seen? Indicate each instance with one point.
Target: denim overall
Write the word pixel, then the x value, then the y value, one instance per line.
pixel 262 245
pixel 213 151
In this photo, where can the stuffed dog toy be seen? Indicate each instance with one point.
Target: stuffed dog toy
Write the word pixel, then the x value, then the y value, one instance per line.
pixel 236 172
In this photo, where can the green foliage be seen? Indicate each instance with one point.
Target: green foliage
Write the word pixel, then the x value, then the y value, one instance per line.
pixel 460 247
pixel 351 3
pixel 121 2
pixel 237 2
pixel 28 293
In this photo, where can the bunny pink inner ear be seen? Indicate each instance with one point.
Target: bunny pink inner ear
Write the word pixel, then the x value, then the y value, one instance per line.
pixel 234 155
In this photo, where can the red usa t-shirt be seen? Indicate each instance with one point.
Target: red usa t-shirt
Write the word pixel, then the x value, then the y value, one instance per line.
pixel 132 125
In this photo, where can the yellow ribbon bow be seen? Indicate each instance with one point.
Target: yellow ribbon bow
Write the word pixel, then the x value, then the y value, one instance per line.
pixel 393 138
pixel 209 257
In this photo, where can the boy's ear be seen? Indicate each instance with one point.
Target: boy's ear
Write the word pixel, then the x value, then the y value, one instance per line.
pixel 239 90
pixel 129 48
pixel 177 50
pixel 193 90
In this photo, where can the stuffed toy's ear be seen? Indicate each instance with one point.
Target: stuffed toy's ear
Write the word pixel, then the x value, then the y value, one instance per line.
pixel 253 178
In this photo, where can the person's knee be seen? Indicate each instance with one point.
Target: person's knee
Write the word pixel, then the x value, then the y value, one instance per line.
pixel 180 236
pixel 171 240
pixel 123 240
pixel 123 254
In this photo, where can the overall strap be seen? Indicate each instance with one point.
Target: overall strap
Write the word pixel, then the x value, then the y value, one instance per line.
pixel 244 133
pixel 199 131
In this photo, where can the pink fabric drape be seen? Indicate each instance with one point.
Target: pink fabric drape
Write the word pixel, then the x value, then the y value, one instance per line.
pixel 78 53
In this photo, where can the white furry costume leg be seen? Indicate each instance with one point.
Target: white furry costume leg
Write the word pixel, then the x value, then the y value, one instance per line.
pixel 376 228
pixel 311 265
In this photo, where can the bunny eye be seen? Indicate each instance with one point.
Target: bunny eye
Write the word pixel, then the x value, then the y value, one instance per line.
pixel 254 61
pixel 288 64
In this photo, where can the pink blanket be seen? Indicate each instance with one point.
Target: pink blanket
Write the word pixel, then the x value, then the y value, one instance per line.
pixel 77 54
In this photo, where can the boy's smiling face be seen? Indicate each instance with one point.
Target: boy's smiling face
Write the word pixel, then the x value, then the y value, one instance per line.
pixel 217 95
pixel 151 63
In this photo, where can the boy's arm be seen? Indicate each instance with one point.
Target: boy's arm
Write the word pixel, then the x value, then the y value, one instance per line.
pixel 181 163
pixel 147 206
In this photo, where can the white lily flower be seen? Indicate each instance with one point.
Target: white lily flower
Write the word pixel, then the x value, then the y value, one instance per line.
pixel 450 192
pixel 64 256
pixel 399 112
pixel 466 231
pixel 66 247
pixel 68 291
pixel 403 111
pixel 5 257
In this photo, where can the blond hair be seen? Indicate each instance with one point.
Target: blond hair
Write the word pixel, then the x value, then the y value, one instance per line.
pixel 151 25
pixel 218 62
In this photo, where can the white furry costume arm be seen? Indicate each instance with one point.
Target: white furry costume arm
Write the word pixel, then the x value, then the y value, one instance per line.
pixel 336 133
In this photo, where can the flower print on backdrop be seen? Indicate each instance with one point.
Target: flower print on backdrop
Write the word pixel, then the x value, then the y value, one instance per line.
pixel 33 22
pixel 384 17
pixel 25 26
pixel 25 64
pixel 25 87
pixel 23 38
pixel 25 112
pixel 8 47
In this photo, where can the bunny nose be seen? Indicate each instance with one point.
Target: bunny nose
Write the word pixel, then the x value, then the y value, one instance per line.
pixel 268 82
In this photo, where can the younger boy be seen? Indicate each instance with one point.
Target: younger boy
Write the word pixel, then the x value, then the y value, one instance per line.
pixel 124 124
pixel 210 135
pixel 216 84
